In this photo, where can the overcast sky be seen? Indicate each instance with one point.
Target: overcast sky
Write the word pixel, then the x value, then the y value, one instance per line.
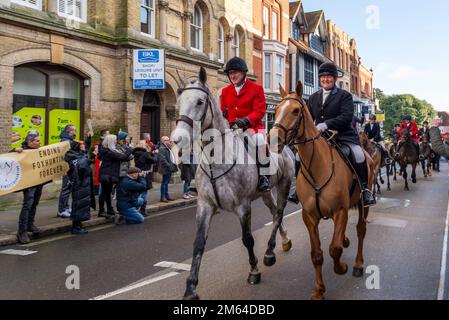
pixel 406 42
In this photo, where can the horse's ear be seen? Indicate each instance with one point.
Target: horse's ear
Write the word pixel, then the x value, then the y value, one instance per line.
pixel 182 79
pixel 282 91
pixel 203 75
pixel 299 89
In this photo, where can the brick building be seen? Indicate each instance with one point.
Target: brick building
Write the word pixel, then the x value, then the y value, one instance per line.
pixel 270 55
pixel 65 61
pixel 339 51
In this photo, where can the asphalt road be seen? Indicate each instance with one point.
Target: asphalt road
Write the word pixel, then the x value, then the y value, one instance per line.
pixel 404 244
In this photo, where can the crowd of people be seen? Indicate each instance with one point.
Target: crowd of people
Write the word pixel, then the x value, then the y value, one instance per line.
pixel 121 170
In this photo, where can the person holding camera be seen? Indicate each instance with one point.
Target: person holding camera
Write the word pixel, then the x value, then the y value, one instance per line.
pixel 129 196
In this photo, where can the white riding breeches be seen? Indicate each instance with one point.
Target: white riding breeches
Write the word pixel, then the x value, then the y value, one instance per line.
pixel 358 153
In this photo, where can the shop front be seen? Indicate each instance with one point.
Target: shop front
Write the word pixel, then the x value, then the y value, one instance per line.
pixel 46 98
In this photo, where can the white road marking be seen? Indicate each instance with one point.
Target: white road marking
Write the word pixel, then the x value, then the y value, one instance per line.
pixel 135 286
pixel 289 215
pixel 173 265
pixel 443 259
pixel 18 252
pixel 389 222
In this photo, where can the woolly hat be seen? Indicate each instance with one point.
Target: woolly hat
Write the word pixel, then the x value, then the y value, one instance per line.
pixel 122 135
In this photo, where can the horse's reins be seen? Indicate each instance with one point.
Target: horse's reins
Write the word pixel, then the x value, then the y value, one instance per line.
pixel 189 121
pixel 305 141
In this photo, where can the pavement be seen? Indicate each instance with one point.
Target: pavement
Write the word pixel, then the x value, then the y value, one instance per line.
pixel 50 224
pixel 405 250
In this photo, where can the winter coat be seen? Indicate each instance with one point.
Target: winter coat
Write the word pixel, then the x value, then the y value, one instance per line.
pixel 249 103
pixel 188 171
pixel 373 133
pixel 110 164
pixel 145 161
pixel 128 192
pixel 66 137
pixel 166 165
pixel 80 175
pixel 124 164
pixel 337 112
pixel 412 128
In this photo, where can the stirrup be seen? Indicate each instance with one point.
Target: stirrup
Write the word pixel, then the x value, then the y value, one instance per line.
pixel 264 186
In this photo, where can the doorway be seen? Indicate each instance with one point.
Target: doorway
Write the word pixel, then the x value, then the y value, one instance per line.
pixel 151 116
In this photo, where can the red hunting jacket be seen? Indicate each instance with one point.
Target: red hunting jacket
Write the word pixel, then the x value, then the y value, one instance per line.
pixel 413 128
pixel 249 103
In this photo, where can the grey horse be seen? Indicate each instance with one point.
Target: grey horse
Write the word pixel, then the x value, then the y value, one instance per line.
pixel 230 185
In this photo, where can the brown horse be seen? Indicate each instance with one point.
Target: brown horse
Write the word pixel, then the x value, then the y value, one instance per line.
pixel 323 185
pixel 392 150
pixel 407 154
pixel 427 155
pixel 376 155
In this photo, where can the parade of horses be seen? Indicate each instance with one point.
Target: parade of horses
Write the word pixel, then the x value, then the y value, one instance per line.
pixel 224 159
pixel 328 183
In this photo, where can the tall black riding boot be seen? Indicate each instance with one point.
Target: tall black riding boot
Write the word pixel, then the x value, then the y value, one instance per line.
pixel 367 196
pixel 293 197
pixel 264 182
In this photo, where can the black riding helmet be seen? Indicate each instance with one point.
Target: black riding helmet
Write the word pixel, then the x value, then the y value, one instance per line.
pixel 408 117
pixel 236 64
pixel 328 69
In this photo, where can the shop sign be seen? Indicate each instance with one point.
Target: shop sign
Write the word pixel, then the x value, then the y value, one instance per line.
pixel 149 69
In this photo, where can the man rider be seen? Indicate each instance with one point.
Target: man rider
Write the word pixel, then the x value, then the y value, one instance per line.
pixel 332 108
pixel 243 104
pixel 413 130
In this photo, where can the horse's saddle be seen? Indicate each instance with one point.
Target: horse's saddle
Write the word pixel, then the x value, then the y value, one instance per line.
pixel 348 156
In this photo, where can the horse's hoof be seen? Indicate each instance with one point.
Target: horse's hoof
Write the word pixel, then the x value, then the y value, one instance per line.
pixel 287 246
pixel 343 270
pixel 346 243
pixel 406 188
pixel 191 296
pixel 254 278
pixel 357 272
pixel 388 189
pixel 414 180
pixel 269 261
pixel 317 297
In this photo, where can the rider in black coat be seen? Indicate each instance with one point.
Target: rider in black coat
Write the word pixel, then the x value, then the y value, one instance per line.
pixel 332 108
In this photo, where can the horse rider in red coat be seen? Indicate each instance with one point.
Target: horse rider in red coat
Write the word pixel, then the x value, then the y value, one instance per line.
pixel 413 129
pixel 243 104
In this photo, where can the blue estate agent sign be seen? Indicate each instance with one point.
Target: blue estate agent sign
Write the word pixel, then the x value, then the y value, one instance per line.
pixel 149 69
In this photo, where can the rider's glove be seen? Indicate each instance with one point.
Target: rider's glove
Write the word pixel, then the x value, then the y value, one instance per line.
pixel 243 123
pixel 322 127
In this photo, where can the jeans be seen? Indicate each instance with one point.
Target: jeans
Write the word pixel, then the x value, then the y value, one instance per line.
pixel 187 186
pixel 31 197
pixel 164 185
pixel 143 196
pixel 64 195
pixel 132 215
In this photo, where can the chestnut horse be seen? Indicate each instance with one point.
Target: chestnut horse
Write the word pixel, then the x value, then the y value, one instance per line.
pixel 323 185
pixel 376 155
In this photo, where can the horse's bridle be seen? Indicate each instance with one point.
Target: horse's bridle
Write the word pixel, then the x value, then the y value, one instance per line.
pixel 309 177
pixel 189 121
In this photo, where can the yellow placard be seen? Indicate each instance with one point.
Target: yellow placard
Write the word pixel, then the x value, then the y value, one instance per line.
pixel 30 168
pixel 380 117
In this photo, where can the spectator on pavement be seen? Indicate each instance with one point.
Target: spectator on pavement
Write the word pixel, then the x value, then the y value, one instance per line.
pixel 188 171
pixel 145 159
pixel 81 182
pixel 167 167
pixel 123 145
pixel 129 196
pixel 109 174
pixel 68 134
pixel 31 197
